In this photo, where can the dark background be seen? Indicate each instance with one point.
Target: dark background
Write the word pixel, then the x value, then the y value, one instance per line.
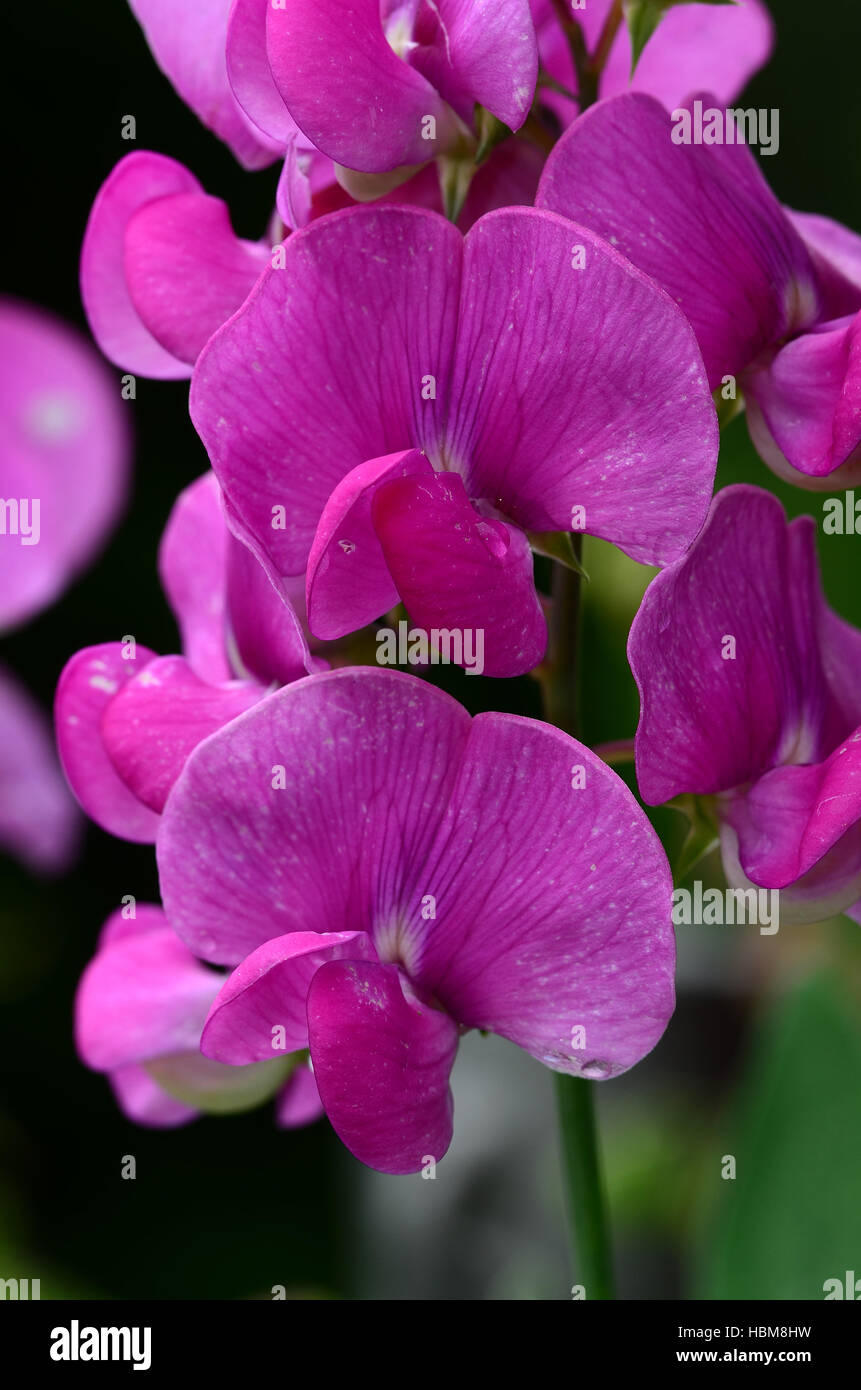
pixel 230 1207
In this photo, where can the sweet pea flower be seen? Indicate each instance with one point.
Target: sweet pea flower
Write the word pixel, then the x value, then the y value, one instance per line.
pixel 694 46
pixel 139 1010
pixel 396 407
pixel 386 872
pixel 382 85
pixel 780 320
pixel 127 719
pixel 39 822
pixel 64 458
pixel 750 690
pixel 161 268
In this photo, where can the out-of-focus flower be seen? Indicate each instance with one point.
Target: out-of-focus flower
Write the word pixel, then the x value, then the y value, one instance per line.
pixel 64 458
pixel 127 719
pixel 161 268
pixel 701 220
pixel 396 407
pixel 390 872
pixel 39 822
pixel 751 696
pixel 695 46
pixel 140 1007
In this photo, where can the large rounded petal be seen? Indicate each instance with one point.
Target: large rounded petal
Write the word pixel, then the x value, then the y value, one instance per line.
pixel 552 897
pixel 482 51
pixel 578 384
pixel 699 219
pixel 88 683
pixel 64 458
pixel 312 812
pixel 323 367
pixel 382 1060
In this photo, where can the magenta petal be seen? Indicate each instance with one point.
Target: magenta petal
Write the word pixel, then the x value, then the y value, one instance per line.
pixel 804 408
pixel 264 625
pixel 374 120
pixel 458 571
pixel 831 243
pixel 186 270
pixel 250 75
pixel 361 760
pixel 188 41
pixel 368 285
pixel 552 898
pixel 485 51
pixel 142 1100
pixel 142 996
pixel 299 1100
pixel 39 822
pixel 64 457
pixel 349 583
pixel 790 818
pixel 192 566
pixel 114 321
pixel 711 722
pixel 382 1060
pixel 157 719
pixel 88 684
pixel 717 240
pixel 549 415
pixel 260 1012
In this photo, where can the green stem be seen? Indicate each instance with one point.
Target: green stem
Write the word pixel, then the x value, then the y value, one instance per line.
pixel 558 675
pixel 584 1186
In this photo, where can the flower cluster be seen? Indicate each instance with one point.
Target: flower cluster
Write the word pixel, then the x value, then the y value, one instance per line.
pixel 496 307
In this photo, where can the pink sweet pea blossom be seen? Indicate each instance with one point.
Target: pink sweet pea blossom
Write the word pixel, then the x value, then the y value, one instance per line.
pixel 396 407
pixel 380 85
pixel 127 719
pixel 751 696
pixel 161 268
pixel 140 1007
pixel 64 458
pixel 781 317
pixel 387 872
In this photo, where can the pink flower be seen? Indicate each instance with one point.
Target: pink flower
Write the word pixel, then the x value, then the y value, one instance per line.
pixel 387 872
pixel 127 719
pixel 395 409
pixel 140 1007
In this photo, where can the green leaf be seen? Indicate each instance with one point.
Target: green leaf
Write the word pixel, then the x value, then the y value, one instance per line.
pixel 557 545
pixel 791 1218
pixel 644 16
pixel 702 836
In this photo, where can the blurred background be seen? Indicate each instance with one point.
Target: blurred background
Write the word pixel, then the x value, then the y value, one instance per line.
pixel 763 1057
